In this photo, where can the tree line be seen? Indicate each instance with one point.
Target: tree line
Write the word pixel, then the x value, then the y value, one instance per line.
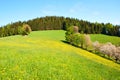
pixel 83 41
pixel 61 23
pixel 22 29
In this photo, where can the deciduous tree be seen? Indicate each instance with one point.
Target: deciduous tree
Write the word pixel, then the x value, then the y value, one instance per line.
pixel 26 29
pixel 88 41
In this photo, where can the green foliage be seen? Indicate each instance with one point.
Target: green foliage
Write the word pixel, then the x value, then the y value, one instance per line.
pixel 2 33
pixel 42 56
pixel 11 29
pixel 75 38
pixel 109 28
pixel 69 33
pixel 82 40
pixel 63 23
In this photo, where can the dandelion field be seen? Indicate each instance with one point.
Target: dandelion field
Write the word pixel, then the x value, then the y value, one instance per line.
pixel 43 56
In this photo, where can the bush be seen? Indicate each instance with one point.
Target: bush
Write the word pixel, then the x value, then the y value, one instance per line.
pixel 88 41
pixel 96 46
pixel 82 40
pixel 117 54
pixel 76 39
pixel 76 29
pixel 108 49
pixel 68 34
pixel 26 29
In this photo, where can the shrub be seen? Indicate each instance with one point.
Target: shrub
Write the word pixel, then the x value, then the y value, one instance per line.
pixel 26 29
pixel 76 29
pixel 82 40
pixel 88 41
pixel 68 34
pixel 96 45
pixel 108 49
pixel 117 54
pixel 76 39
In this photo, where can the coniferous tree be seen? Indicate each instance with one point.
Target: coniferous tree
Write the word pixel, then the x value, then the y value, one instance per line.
pixel 58 23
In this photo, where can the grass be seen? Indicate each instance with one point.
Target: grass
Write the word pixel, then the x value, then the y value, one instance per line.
pixel 105 38
pixel 43 56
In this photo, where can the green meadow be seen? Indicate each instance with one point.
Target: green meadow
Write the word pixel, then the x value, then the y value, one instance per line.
pixel 43 55
pixel 105 38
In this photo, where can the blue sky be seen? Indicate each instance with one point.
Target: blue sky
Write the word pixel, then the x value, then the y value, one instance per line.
pixel 90 10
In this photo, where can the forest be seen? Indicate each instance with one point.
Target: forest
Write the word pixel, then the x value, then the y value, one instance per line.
pixel 61 23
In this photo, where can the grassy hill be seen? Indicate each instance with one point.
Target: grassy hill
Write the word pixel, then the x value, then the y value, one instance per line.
pixel 43 56
pixel 105 38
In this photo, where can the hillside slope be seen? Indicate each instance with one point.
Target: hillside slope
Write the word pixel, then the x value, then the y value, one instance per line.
pixel 43 55
pixel 105 38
